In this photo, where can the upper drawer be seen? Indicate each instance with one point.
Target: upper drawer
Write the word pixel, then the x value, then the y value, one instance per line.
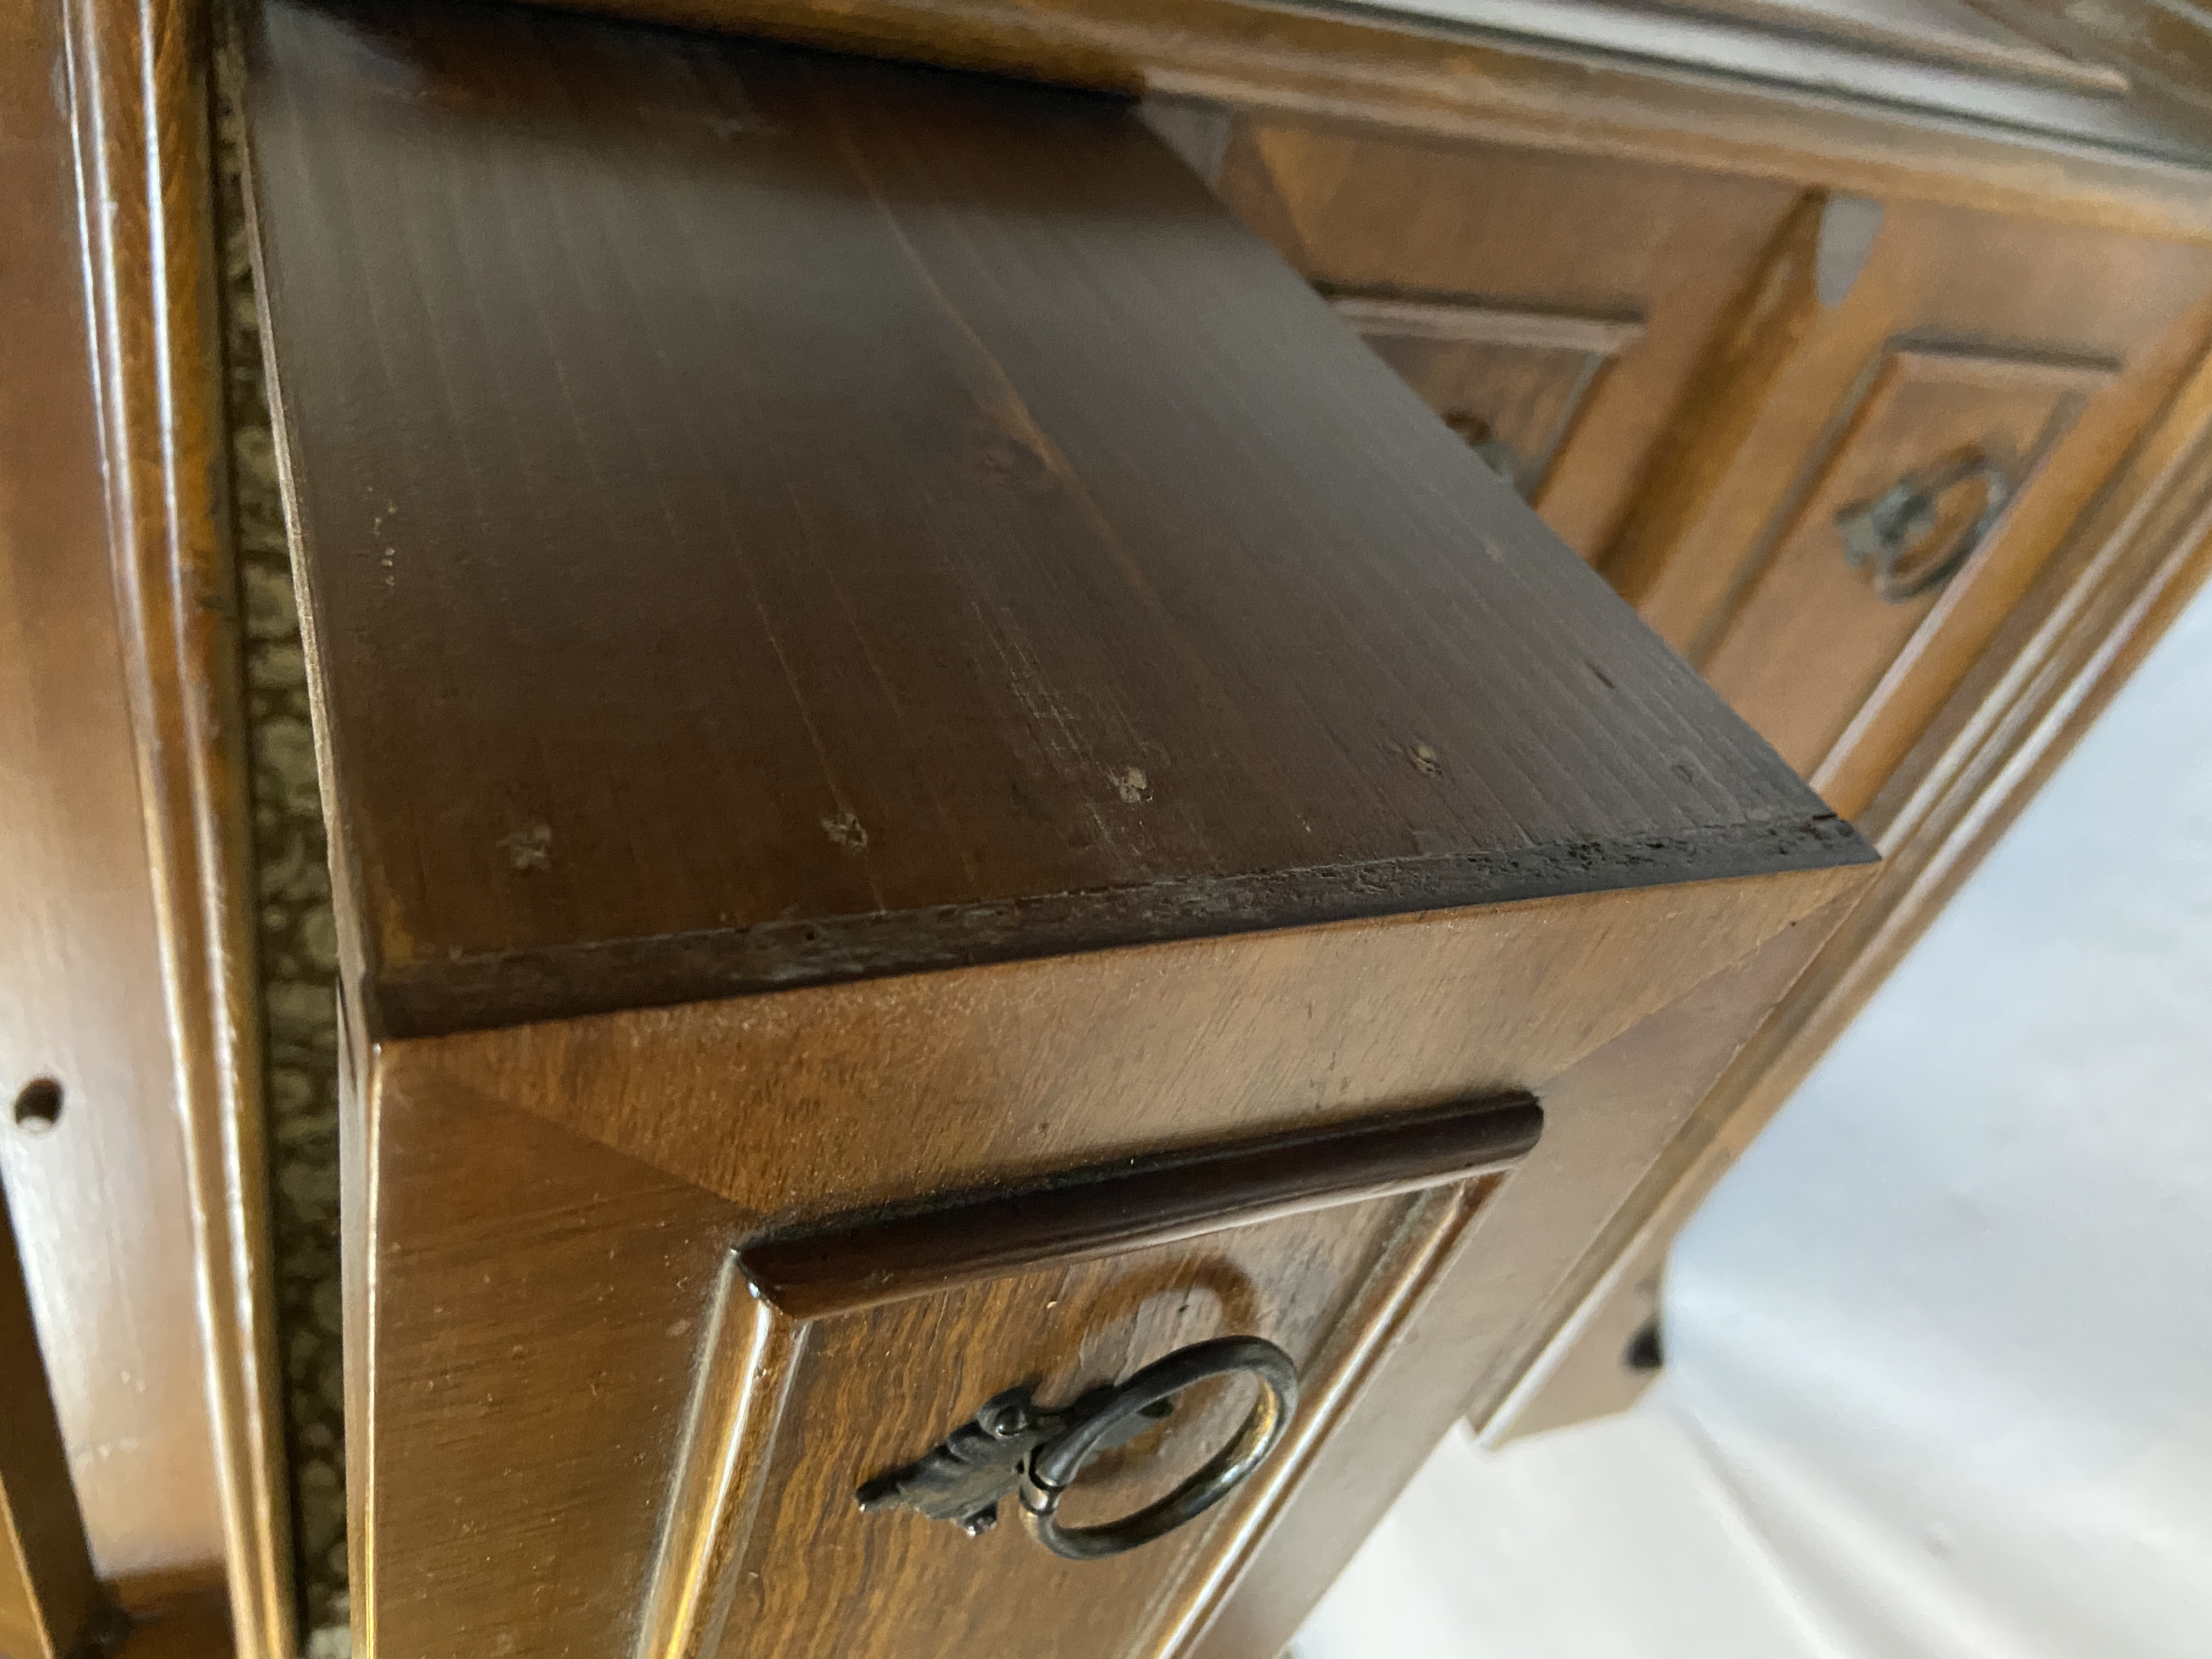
pixel 1694 376
pixel 1907 513
pixel 1906 412
pixel 1551 308
pixel 871 643
pixel 845 520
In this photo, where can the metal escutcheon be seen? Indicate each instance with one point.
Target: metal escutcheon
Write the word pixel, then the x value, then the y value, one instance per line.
pixel 1886 532
pixel 1011 1447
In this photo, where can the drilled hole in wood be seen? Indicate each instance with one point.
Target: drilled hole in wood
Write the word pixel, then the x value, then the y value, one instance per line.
pixel 39 1106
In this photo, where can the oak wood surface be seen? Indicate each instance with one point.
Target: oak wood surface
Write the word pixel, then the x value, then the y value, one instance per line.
pixel 135 93
pixel 1377 69
pixel 1805 641
pixel 1814 400
pixel 822 1576
pixel 1512 382
pixel 543 1210
pixel 646 520
pixel 891 1091
pixel 1612 1116
pixel 890 546
pixel 100 1203
pixel 2123 571
pixel 1133 1204
pixel 1810 358
pixel 52 1604
pixel 1373 217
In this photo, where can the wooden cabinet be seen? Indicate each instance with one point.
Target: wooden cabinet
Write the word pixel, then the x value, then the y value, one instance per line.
pixel 1964 338
pixel 1694 377
pixel 904 707
pixel 878 655
pixel 1559 305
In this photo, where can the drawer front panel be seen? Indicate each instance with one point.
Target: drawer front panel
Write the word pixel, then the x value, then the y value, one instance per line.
pixel 1511 382
pixel 1806 645
pixel 865 1392
pixel 1569 298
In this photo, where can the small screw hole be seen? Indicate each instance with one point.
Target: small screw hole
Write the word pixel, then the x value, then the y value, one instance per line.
pixel 39 1107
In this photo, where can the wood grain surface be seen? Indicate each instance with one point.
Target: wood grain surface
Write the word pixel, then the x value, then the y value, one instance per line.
pixel 1773 119
pixel 821 1577
pixel 2122 574
pixel 100 1201
pixel 612 366
pixel 52 1605
pixel 1936 278
pixel 1512 382
pixel 802 1106
pixel 1938 343
pixel 135 89
pixel 541 1213
pixel 877 651
pixel 1613 1115
pixel 1374 214
pixel 1806 640
pixel 1133 1204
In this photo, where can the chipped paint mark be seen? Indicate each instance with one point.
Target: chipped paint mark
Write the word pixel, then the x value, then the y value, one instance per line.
pixel 1131 784
pixel 529 847
pixel 390 579
pixel 1425 760
pixel 845 830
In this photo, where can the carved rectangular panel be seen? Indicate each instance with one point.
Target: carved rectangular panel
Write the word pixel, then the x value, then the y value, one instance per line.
pixel 1510 381
pixel 829 1403
pixel 1563 301
pixel 1907 496
pixel 541 1213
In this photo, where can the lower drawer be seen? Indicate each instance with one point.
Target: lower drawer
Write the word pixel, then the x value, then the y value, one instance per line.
pixel 853 1396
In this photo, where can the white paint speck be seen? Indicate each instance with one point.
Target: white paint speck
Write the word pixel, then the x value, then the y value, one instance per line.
pixel 529 847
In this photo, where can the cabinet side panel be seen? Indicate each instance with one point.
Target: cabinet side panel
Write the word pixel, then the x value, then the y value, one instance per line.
pixel 100 1202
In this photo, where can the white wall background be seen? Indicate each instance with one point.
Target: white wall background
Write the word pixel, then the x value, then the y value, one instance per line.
pixel 1939 1349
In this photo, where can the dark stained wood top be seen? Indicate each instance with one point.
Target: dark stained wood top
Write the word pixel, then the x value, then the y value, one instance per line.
pixel 769 519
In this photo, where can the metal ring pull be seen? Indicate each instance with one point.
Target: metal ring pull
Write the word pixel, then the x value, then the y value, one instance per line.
pixel 1054 1466
pixel 1884 531
pixel 1011 1446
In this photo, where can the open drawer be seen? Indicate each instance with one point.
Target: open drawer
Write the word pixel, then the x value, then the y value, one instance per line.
pixel 877 656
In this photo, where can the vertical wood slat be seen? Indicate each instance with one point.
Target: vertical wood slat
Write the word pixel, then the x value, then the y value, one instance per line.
pixel 137 95
pixel 51 1604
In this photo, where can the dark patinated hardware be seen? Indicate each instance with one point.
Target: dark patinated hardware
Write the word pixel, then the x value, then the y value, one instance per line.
pixel 1883 532
pixel 1011 1445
